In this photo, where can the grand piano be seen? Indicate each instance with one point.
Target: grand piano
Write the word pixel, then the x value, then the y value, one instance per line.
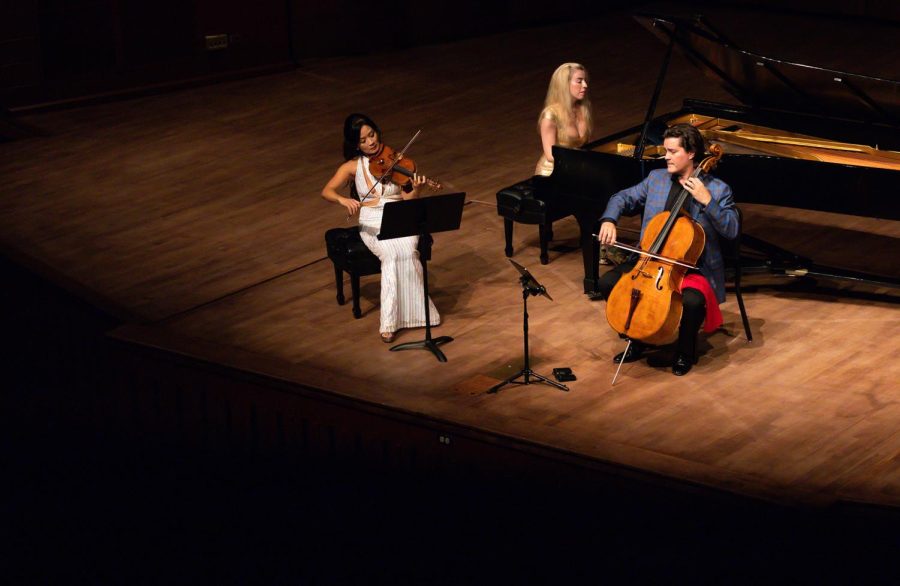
pixel 803 137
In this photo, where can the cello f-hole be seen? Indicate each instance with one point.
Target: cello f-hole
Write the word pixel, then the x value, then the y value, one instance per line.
pixel 659 276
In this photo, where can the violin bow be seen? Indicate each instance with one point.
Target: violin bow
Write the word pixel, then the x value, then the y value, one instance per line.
pixel 651 255
pixel 391 168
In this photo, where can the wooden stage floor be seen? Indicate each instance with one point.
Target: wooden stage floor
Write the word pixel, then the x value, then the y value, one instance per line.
pixel 195 218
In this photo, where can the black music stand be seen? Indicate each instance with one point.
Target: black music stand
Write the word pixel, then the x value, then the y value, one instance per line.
pixel 423 217
pixel 530 286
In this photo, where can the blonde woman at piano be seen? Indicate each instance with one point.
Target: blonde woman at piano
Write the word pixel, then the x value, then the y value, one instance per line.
pixel 566 117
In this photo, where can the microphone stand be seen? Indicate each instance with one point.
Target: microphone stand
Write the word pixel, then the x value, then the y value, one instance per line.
pixel 530 286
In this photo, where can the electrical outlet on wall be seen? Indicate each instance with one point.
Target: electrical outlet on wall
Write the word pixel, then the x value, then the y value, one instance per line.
pixel 216 42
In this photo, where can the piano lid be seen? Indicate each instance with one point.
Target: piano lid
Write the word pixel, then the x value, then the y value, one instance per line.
pixel 770 83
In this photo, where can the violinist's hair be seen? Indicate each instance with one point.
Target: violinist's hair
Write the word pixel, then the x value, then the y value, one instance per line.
pixel 559 100
pixel 352 125
pixel 691 139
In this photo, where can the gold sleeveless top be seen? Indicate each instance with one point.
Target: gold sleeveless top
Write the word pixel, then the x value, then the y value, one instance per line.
pixel 545 167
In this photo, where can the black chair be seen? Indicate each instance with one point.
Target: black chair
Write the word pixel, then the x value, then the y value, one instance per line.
pixel 731 252
pixel 350 255
pixel 517 203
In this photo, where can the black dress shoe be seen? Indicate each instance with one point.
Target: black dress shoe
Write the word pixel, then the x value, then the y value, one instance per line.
pixel 634 352
pixel 682 364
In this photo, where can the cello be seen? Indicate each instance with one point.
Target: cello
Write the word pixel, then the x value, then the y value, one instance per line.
pixel 645 304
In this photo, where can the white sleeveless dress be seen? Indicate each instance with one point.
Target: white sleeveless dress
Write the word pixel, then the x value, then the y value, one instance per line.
pixel 402 295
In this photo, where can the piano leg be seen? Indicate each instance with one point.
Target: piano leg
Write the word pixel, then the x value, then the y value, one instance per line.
pixel 589 224
pixel 544 231
pixel 508 233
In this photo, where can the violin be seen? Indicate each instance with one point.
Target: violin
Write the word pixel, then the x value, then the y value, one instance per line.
pixel 391 168
pixel 645 305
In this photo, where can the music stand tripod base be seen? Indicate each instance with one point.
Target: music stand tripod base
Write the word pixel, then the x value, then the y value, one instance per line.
pixel 528 374
pixel 431 344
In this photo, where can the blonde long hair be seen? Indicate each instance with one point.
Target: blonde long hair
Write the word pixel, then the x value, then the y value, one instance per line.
pixel 559 100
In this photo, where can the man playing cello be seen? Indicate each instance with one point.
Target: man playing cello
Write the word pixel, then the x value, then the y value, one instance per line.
pixel 711 205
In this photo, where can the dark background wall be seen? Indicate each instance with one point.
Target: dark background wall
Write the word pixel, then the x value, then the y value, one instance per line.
pixel 58 50
pixel 63 50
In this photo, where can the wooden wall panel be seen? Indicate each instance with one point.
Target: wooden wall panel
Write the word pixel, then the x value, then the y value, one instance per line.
pixel 20 48
pixel 349 27
pixel 64 50
pixel 80 49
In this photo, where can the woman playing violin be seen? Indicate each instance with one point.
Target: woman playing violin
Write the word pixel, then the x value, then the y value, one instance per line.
pixel 402 305
pixel 711 205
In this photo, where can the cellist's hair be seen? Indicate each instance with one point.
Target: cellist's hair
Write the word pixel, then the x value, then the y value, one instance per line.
pixel 691 139
pixel 559 100
pixel 352 126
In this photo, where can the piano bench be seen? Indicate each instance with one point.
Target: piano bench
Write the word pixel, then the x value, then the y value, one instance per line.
pixel 517 203
pixel 348 253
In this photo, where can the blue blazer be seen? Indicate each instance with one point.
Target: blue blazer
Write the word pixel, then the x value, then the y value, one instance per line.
pixel 719 219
